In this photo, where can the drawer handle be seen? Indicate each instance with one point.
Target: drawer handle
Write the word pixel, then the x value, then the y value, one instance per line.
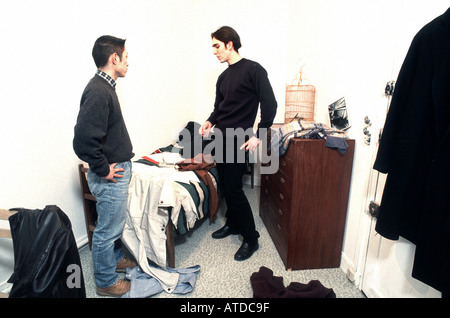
pixel 279 227
pixel 283 163
pixel 266 191
pixel 280 212
pixel 282 179
pixel 281 197
pixel 267 178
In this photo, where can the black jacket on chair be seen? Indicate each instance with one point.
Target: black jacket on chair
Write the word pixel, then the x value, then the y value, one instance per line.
pixel 415 151
pixel 44 248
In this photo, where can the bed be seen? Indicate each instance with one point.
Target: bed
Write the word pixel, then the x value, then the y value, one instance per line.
pixel 168 194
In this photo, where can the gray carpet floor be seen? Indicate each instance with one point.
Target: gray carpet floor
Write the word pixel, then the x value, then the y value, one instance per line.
pixel 220 275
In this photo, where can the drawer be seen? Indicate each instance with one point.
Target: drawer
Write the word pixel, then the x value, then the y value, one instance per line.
pixel 279 193
pixel 278 216
pixel 278 179
pixel 286 165
pixel 276 231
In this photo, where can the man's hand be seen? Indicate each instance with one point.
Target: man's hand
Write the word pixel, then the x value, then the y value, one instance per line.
pixel 205 129
pixel 251 144
pixel 112 173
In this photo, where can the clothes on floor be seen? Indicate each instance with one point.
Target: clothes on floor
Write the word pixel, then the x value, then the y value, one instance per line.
pixel 265 285
pixel 144 285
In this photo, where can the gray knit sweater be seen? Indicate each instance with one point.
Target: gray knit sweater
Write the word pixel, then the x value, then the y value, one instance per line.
pixel 101 137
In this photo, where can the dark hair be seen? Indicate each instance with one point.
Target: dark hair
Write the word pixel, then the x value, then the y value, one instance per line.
pixel 104 46
pixel 227 34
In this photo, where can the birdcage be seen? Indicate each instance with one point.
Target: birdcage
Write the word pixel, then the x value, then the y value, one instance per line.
pixel 300 100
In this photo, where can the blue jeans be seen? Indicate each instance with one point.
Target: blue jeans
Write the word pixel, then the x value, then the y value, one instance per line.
pixel 111 213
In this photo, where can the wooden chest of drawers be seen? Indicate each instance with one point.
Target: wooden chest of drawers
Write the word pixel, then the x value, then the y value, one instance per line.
pixel 304 204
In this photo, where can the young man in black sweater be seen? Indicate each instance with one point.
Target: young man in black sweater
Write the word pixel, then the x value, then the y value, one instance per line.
pixel 101 139
pixel 240 90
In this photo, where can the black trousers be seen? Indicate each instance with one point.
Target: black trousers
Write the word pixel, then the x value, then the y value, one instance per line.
pixel 239 213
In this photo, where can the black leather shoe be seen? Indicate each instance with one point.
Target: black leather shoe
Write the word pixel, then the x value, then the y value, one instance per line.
pixel 245 251
pixel 223 232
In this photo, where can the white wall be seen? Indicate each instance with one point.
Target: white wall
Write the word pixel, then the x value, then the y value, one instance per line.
pixel 262 26
pixel 46 63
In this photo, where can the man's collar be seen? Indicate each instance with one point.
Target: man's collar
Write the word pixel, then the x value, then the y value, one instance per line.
pixel 107 78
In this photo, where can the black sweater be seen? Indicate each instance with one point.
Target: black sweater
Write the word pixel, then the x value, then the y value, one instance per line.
pixel 239 91
pixel 101 137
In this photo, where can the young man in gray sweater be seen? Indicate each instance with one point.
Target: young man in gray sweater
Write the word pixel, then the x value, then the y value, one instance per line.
pixel 101 139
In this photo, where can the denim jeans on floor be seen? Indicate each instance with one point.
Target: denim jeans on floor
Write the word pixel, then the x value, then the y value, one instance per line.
pixel 111 211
